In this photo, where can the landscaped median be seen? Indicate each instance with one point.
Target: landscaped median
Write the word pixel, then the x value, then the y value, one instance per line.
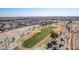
pixel 37 38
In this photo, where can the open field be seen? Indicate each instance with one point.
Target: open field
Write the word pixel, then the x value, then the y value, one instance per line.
pixel 36 38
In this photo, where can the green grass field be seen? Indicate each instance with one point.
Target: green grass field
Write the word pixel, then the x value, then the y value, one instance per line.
pixel 37 38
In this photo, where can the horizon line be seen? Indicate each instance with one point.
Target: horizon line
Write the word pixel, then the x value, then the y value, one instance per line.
pixel 39 16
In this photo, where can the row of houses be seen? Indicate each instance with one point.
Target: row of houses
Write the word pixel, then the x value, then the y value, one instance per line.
pixel 9 25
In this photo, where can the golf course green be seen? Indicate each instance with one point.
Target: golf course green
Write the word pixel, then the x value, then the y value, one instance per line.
pixel 37 38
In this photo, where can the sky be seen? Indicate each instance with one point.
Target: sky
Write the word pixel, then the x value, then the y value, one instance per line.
pixel 13 12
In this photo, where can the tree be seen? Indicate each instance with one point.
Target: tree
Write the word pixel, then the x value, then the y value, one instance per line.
pixel 54 42
pixel 54 35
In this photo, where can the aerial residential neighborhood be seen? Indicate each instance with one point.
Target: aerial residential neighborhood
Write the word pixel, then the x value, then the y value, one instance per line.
pixel 58 33
pixel 38 31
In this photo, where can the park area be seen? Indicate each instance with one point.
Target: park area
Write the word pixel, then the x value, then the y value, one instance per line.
pixel 37 38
